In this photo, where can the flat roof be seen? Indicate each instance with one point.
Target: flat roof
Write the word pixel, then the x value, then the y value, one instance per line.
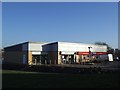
pixel 81 43
pixel 37 42
pixel 25 43
pixel 49 43
pixel 72 43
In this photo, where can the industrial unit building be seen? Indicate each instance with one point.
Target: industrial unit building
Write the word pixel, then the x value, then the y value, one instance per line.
pixel 23 53
pixel 35 53
pixel 66 52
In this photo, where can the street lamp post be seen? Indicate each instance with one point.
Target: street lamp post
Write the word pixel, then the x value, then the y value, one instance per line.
pixel 89 52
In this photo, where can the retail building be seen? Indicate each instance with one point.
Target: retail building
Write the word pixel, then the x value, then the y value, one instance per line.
pixel 36 53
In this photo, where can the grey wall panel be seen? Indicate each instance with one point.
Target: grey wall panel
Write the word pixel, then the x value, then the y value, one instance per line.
pixel 50 47
pixel 25 47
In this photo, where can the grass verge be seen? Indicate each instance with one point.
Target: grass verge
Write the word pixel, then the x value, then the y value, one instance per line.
pixel 22 79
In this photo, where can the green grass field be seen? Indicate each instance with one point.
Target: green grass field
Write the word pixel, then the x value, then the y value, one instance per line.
pixel 21 79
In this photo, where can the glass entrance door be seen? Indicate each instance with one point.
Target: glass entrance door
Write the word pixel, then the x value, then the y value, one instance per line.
pixel 36 59
pixel 67 59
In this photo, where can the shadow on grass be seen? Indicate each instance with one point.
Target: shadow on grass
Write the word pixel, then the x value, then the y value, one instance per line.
pixel 20 76
pixel 51 80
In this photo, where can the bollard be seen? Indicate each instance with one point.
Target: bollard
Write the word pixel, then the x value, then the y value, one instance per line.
pixel 45 61
pixel 40 62
pixel 50 61
pixel 55 61
pixel 35 62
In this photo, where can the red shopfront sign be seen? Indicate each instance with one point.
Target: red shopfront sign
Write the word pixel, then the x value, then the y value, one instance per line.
pixel 93 53
pixel 101 53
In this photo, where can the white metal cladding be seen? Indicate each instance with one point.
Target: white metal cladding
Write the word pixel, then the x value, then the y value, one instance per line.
pixel 50 47
pixel 36 53
pixel 65 46
pixel 35 47
pixel 65 52
pixel 25 47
